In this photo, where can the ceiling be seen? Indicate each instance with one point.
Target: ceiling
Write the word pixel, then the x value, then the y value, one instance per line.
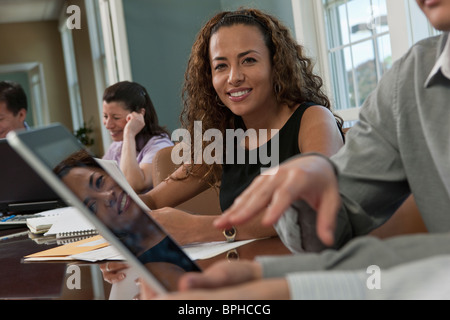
pixel 12 11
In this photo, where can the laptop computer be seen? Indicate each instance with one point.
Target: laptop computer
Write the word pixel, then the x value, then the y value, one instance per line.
pixel 22 190
pixel 80 180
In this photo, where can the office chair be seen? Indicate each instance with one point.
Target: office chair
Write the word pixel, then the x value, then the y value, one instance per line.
pixel 206 203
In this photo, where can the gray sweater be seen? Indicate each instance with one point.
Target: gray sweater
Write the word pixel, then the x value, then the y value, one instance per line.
pixel 400 145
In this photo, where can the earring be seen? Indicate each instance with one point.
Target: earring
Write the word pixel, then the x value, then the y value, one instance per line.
pixel 219 102
pixel 277 88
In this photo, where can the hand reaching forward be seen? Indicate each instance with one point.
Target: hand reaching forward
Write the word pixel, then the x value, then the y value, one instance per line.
pixel 224 281
pixel 310 178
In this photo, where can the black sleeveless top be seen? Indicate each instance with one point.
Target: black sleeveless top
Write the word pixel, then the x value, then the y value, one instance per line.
pixel 237 177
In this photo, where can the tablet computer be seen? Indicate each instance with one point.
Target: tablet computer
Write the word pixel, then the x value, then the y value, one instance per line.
pixel 80 180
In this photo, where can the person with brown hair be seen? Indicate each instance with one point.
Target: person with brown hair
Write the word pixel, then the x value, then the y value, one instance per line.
pixel 245 73
pixel 131 119
pixel 398 147
pixel 13 107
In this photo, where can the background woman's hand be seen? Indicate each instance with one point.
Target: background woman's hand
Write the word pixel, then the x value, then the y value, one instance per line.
pixel 135 123
pixel 113 271
pixel 179 224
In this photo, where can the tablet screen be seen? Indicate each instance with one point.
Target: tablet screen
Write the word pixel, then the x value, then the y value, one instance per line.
pixel 116 210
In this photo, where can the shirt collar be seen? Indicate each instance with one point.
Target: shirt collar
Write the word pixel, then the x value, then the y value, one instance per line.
pixel 442 64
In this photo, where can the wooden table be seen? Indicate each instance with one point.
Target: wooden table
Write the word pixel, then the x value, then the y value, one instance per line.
pixel 48 280
pixel 27 280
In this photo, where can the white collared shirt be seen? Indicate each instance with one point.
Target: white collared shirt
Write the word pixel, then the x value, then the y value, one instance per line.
pixel 442 64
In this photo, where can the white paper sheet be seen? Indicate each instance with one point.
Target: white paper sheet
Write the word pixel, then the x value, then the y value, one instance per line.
pixel 200 251
pixel 197 251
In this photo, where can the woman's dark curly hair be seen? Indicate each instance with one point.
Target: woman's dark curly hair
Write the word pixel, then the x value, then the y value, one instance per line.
pixel 294 80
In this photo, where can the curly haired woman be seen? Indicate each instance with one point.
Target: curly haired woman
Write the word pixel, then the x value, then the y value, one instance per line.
pixel 245 71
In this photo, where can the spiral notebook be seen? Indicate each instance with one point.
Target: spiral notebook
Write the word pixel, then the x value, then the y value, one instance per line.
pixel 68 222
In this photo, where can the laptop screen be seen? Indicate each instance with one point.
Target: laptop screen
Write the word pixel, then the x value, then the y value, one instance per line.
pixel 21 188
pixel 113 210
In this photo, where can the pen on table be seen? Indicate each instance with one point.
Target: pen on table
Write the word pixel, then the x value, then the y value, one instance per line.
pixel 7 218
pixel 14 235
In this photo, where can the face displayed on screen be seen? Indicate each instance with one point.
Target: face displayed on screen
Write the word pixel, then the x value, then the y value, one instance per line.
pixel 113 206
pixel 101 194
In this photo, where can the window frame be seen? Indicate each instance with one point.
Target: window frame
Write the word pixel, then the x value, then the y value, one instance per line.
pixel 115 41
pixel 309 23
pixel 38 102
pixel 98 53
pixel 71 73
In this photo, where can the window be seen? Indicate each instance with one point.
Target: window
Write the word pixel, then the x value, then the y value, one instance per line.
pixel 72 77
pixel 418 24
pixel 358 48
pixel 354 42
pixel 115 40
pixel 99 60
pixel 36 101
pixel 97 43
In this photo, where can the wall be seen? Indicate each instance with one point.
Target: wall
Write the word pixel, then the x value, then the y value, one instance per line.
pixel 282 9
pixel 86 80
pixel 160 36
pixel 39 42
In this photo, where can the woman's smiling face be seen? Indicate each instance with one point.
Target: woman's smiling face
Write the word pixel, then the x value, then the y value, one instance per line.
pixel 241 69
pixel 101 195
pixel 115 118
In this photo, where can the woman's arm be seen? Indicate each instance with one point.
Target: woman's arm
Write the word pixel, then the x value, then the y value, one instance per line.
pixel 310 178
pixel 190 228
pixel 138 176
pixel 319 132
pixel 176 189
